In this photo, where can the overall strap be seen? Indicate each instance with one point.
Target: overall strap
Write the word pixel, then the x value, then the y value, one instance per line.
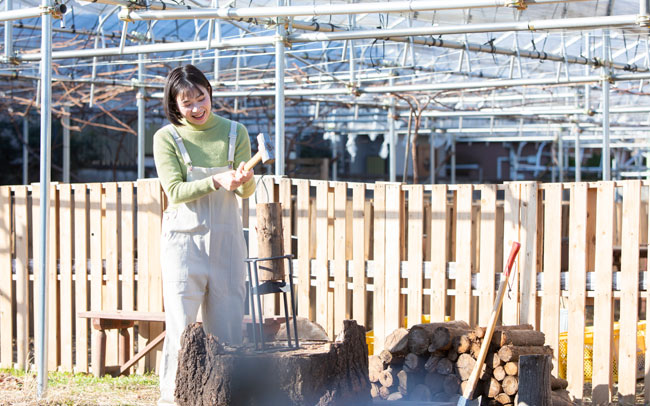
pixel 181 146
pixel 232 141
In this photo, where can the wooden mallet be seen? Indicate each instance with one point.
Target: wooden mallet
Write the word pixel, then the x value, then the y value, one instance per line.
pixel 264 153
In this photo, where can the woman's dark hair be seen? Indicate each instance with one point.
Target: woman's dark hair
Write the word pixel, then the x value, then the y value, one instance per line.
pixel 180 80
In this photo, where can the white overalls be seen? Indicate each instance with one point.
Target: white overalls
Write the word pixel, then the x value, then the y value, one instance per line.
pixel 202 261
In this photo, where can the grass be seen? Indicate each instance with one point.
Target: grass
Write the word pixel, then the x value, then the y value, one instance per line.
pixel 19 388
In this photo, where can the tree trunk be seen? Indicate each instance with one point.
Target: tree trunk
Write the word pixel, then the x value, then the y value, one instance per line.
pixel 270 241
pixel 408 381
pixel 389 358
pixel 331 374
pixel 512 353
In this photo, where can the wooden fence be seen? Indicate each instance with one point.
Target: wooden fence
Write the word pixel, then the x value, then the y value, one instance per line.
pixel 385 254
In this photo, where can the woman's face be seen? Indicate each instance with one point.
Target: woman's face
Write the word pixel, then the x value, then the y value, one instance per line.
pixel 194 106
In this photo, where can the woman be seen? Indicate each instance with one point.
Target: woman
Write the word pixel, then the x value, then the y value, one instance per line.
pixel 202 243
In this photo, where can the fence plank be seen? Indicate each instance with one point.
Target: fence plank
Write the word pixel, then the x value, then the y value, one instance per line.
pixel 285 200
pixel 53 308
pixel 551 294
pixel 394 209
pixel 415 254
pixel 110 237
pixel 154 213
pixel 601 377
pixel 577 286
pixel 340 263
pixel 65 236
pixel 487 264
pixel 127 250
pixel 304 247
pixel 439 248
pixel 528 236
pixel 6 283
pixel 359 280
pixel 464 249
pixel 81 275
pixel 23 290
pixel 511 229
pixel 629 286
pixel 144 335
pixel 379 276
pixel 96 263
pixel 322 271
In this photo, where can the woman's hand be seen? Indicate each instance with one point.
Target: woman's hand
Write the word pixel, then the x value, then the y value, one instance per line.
pixel 226 180
pixel 243 176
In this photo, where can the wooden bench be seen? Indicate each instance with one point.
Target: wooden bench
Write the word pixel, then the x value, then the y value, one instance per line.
pixel 121 320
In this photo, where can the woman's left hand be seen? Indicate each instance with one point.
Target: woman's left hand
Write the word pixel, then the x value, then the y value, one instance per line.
pixel 243 176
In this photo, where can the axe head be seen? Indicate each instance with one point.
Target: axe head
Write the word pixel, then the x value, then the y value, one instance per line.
pixel 265 147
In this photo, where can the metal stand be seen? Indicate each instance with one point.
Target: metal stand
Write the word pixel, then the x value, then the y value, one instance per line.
pixel 257 290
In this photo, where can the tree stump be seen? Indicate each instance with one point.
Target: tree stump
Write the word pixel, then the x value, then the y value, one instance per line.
pixel 331 374
pixel 270 241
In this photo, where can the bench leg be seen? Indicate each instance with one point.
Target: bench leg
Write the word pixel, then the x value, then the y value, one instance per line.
pixel 99 353
pixel 123 345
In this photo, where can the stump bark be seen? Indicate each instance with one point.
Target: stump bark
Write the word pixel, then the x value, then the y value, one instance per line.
pixel 331 374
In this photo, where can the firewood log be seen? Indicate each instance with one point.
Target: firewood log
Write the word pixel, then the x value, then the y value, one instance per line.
pixel 517 337
pixel 451 384
pixel 395 396
pixel 414 362
pixel 511 368
pixel 499 373
pixel 441 397
pixel 452 356
pixel 421 393
pixel 374 390
pixel 492 360
pixel 397 342
pixel 419 337
pixel 374 374
pixel 431 363
pixel 384 392
pixel 375 368
pixel 503 398
pixel 558 383
pixel 478 390
pixel 492 388
pixel 510 385
pixel 480 331
pixel 389 358
pixel 512 353
pixel 465 366
pixel 388 377
pixel 434 381
pixel 461 344
pixel 444 367
pixel 408 381
pixel 475 348
pixel 444 335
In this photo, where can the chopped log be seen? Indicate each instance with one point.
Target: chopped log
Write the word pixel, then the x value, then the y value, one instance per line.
pixel 461 344
pixel 420 393
pixel 503 398
pixel 492 388
pixel 431 363
pixel 397 342
pixel 375 362
pixel 510 385
pixel 452 356
pixel 535 380
pixel 444 335
pixel 511 368
pixel 419 337
pixel 558 383
pixel 384 392
pixel 518 337
pixel 414 362
pixel 395 396
pixel 475 348
pixel 408 381
pixel 478 390
pixel 389 358
pixel 444 367
pixel 512 352
pixel 465 366
pixel 374 374
pixel 374 390
pixel 434 381
pixel 451 384
pixel 499 373
pixel 492 360
pixel 388 377
pixel 480 331
pixel 330 374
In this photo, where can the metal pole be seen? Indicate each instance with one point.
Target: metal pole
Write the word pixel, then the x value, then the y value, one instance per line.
pixel 141 102
pixel 280 36
pixel 65 123
pixel 40 326
pixel 432 157
pixel 605 102
pixel 578 154
pixel 9 33
pixel 392 139
pixel 26 150
pixel 560 158
pixel 453 159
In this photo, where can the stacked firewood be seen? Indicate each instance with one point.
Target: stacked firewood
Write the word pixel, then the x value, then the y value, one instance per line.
pixel 433 362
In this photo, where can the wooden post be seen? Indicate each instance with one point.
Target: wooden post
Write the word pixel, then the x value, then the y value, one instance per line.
pixel 535 380
pixel 270 241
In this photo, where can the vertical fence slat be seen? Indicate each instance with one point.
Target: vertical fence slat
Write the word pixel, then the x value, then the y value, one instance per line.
pixel 127 251
pixel 439 244
pixel 65 236
pixel 53 309
pixel 81 275
pixel 394 208
pixel 155 277
pixel 552 268
pixel 646 379
pixel 96 263
pixel 109 300
pixel 285 201
pixel 143 202
pixel 358 254
pixel 415 254
pixel 577 286
pixel 629 286
pixel 464 249
pixel 379 277
pixel 304 237
pixel 6 283
pixel 487 264
pixel 601 376
pixel 510 309
pixel 23 290
pixel 322 271
pixel 340 263
pixel 528 271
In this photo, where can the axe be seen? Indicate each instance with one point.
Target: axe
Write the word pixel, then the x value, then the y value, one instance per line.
pixel 264 153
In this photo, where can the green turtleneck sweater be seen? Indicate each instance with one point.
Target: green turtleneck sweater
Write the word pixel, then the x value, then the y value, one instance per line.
pixel 207 146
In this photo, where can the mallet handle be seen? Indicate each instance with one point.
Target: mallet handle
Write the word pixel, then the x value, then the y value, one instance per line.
pixel 253 161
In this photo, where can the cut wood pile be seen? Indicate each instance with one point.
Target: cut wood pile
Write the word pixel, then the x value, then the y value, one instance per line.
pixel 433 362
